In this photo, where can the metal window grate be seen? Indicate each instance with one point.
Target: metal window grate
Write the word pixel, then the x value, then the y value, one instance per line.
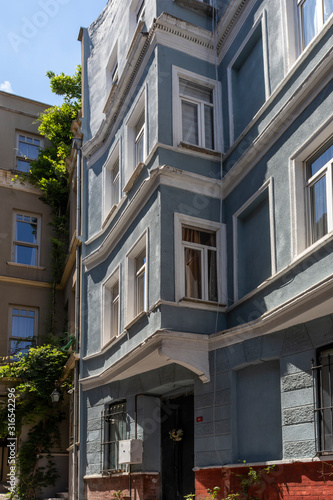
pixel 323 402
pixel 113 430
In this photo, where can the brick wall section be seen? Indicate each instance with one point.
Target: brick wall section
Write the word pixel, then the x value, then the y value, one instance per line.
pixel 143 487
pixel 298 481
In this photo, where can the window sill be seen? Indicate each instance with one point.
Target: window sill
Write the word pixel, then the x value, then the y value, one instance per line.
pixel 27 266
pixel 134 320
pixel 134 176
pixel 201 304
pixel 199 149
pixel 196 5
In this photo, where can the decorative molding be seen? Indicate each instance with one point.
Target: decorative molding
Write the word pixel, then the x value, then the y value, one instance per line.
pixel 6 181
pixel 311 86
pixel 161 348
pixel 170 176
pixel 163 31
pixel 314 302
pixel 25 282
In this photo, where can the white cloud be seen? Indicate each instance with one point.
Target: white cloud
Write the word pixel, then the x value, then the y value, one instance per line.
pixel 6 86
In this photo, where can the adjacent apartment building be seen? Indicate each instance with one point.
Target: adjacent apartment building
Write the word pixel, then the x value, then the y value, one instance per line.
pixel 25 262
pixel 206 319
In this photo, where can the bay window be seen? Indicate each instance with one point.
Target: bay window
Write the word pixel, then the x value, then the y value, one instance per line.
pixel 313 14
pixel 318 170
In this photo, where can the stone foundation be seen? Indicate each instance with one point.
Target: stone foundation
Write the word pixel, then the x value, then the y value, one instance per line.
pixel 137 487
pixel 291 481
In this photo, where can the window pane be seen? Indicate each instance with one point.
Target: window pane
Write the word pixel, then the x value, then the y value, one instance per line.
pixel 115 431
pixel 140 260
pixel 25 231
pixel 310 20
pixel 140 299
pixel 17 346
pixel 206 238
pixel 328 9
pixel 209 127
pixel 23 166
pixel 195 90
pixel 190 123
pixel 114 318
pixel 193 273
pixel 25 255
pixel 139 143
pixel 28 150
pixel 212 276
pixel 140 123
pixel 318 209
pixel 23 327
pixel 315 164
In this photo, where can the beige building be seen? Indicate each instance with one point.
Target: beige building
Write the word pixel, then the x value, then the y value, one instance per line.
pixel 25 250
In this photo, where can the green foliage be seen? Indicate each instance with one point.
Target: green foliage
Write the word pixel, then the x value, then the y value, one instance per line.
pixel 253 478
pixel 34 375
pixel 211 494
pixel 49 171
pixel 118 495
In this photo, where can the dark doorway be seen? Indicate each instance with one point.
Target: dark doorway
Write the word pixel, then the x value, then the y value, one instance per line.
pixel 177 456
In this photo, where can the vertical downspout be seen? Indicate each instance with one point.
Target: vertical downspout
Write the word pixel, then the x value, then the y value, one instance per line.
pixel 77 144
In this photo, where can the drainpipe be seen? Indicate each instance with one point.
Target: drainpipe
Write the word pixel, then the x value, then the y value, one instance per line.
pixel 76 144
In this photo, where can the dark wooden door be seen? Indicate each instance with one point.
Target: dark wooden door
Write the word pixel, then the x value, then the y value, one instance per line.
pixel 177 456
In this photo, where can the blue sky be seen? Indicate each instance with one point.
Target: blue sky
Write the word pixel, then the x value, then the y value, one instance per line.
pixel 41 35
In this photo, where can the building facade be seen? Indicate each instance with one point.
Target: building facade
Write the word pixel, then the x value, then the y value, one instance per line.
pixel 206 318
pixel 25 264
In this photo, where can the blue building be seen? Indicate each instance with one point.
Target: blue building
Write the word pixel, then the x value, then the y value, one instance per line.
pixel 206 322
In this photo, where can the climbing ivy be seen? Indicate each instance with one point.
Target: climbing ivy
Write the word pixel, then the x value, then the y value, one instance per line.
pixel 34 375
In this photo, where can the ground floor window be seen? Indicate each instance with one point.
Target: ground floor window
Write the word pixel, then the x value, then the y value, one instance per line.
pixel 114 427
pixel 323 401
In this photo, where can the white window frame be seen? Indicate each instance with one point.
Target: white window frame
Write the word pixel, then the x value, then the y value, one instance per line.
pixel 177 74
pixel 139 107
pixel 10 318
pixel 268 185
pixel 181 220
pixel 320 22
pixel 111 197
pixel 29 135
pixel 23 243
pixel 109 305
pixel 140 11
pixel 112 73
pixel 132 275
pixel 300 236
pixel 261 20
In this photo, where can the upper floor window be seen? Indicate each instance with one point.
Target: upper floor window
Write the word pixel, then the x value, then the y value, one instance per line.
pixel 140 282
pixel 312 15
pixel 311 190
pixel 111 181
pixel 200 263
pixel 197 114
pixel 195 110
pixel 136 140
pixel 27 150
pixel 139 139
pixel 137 279
pixel 318 171
pixel 23 329
pixel 111 302
pixel 198 266
pixel 26 239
